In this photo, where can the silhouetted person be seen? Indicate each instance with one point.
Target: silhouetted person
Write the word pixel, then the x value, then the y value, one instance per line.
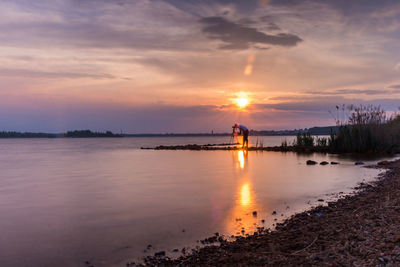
pixel 242 130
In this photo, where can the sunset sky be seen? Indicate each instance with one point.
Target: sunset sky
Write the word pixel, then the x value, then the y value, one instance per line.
pixel 144 66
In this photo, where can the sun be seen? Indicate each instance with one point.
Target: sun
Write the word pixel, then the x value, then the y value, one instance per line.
pixel 242 102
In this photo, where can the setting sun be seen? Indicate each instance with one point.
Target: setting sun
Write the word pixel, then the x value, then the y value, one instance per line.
pixel 242 102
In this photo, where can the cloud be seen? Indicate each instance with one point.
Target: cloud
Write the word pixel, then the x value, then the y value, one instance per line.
pixel 351 92
pixel 325 103
pixel 52 75
pixel 144 25
pixel 237 36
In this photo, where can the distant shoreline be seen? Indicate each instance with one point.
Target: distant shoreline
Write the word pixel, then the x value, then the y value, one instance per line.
pixel 90 134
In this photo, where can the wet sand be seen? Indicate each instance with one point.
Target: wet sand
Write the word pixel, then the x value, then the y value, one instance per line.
pixel 361 229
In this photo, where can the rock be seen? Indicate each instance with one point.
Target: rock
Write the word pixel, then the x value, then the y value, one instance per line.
pixel 320 200
pixel 359 163
pixel 263 221
pixel 255 213
pixel 383 163
pixel 324 163
pixel 175 250
pixel 159 254
pixel 274 213
pixel 311 162
pixel 334 163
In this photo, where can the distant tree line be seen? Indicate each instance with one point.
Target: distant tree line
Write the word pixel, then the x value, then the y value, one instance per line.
pixel 26 135
pixel 88 133
pixel 77 133
pixel 327 130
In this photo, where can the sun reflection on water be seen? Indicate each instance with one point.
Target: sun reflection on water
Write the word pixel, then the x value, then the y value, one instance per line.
pixel 241 158
pixel 240 219
pixel 245 195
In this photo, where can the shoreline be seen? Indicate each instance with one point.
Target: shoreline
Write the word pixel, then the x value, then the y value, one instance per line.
pixel 235 147
pixel 358 229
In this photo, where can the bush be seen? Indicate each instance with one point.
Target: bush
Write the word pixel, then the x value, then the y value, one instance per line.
pixel 304 139
pixel 367 129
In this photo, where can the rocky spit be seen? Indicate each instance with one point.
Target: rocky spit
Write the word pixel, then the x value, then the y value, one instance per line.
pixel 236 146
pixel 361 229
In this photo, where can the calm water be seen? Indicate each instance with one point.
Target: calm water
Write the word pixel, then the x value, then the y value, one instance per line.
pixel 66 201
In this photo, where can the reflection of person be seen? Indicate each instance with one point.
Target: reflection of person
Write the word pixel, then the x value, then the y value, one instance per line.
pixel 242 130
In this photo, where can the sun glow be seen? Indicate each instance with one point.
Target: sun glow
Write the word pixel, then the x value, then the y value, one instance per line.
pixel 241 101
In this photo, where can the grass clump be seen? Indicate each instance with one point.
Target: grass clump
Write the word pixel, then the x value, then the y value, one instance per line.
pixel 366 129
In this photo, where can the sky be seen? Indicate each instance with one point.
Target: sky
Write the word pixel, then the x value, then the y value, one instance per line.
pixel 162 66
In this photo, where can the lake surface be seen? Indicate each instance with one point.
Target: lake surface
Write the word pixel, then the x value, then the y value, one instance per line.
pixel 67 201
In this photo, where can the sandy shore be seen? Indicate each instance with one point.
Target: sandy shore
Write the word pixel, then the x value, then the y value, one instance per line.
pixel 362 230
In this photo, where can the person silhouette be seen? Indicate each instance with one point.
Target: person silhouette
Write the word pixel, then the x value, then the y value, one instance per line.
pixel 242 130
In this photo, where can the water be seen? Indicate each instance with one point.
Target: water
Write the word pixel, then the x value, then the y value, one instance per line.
pixel 67 201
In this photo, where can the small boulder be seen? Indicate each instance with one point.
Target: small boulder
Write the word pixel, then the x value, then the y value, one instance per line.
pixel 274 213
pixel 324 163
pixel 359 163
pixel 311 162
pixel 383 163
pixel 255 213
pixel 334 163
pixel 159 254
